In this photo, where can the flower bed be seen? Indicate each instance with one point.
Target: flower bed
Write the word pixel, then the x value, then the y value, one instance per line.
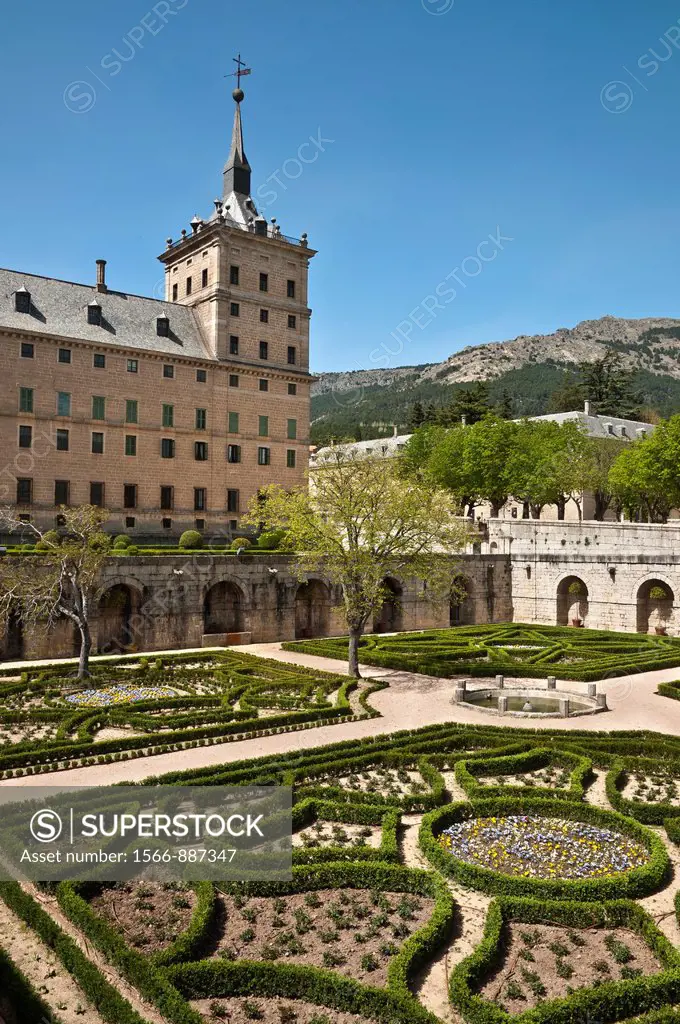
pixel 123 693
pixel 524 862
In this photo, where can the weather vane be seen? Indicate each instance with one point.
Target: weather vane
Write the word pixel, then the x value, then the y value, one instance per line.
pixel 241 70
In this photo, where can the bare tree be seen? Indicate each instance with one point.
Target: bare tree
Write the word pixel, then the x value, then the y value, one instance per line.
pixel 61 578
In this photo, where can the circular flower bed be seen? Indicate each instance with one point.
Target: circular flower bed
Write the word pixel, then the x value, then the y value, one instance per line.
pixel 124 693
pixel 537 847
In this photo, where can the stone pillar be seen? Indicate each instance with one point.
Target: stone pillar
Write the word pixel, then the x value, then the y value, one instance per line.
pixel 502 705
pixel 552 683
pixel 592 689
pixel 500 682
pixel 458 694
pixel 601 699
pixel 564 707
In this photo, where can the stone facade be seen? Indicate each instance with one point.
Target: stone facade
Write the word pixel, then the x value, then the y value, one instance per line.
pixel 171 414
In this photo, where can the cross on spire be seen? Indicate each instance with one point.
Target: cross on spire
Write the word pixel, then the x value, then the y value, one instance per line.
pixel 241 70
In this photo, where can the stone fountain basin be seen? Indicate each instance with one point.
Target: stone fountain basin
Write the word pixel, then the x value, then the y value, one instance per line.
pixel 545 704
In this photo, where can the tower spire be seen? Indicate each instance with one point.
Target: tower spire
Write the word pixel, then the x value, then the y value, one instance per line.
pixel 237 169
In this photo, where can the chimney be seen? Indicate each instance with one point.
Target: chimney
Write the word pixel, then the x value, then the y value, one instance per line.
pixel 588 408
pixel 463 420
pixel 101 276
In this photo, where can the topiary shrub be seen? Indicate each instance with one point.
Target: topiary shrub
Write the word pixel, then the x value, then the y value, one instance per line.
pixel 658 593
pixel 576 587
pixel 131 550
pixel 191 539
pixel 122 541
pixel 48 541
pixel 241 542
pixel 270 541
pixel 100 541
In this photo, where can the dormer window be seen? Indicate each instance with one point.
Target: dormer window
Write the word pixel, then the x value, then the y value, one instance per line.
pixel 163 326
pixel 94 314
pixel 22 301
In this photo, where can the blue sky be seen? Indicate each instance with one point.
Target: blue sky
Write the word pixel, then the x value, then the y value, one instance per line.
pixel 444 122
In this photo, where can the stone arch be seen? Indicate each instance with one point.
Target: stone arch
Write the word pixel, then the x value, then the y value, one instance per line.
pixel 461 604
pixel 654 603
pixel 119 607
pixel 572 601
pixel 14 645
pixel 223 608
pixel 390 616
pixel 312 610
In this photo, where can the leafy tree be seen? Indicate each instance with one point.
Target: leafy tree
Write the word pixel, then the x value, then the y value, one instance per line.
pixel 602 453
pixel 357 524
pixel 474 462
pixel 416 416
pixel 548 464
pixel 413 461
pixel 61 581
pixel 645 478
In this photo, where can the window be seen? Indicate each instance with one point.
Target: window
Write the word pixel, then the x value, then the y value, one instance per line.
pixel 290 289
pixel 129 522
pixel 98 407
pixel 99 361
pixel 94 314
pixel 232 500
pixel 63 403
pixel 263 456
pixel 263 427
pixel 233 380
pixel 167 498
pixel 292 389
pixel 264 282
pixel 168 416
pixel 174 293
pixel 97 494
pixel 163 326
pixel 292 321
pixel 132 366
pixel 201 419
pixel 167 448
pixel 130 444
pixel 233 453
pixel 233 275
pixel 25 399
pixel 62 440
pixel 168 371
pixel 201 451
pixel 64 355
pixel 264 384
pixel 233 344
pixel 22 301
pixel 290 458
pixel 233 524
pixel 204 278
pixel 292 430
pixel 61 490
pixel 166 524
pixel 129 495
pixel 97 443
pixel 24 491
pixel 292 355
pixel 201 376
pixel 188 286
pixel 264 350
pixel 25 437
pixel 233 423
pixel 200 499
pixel 131 410
pixel 264 316
pixel 199 524
pixel 234 309
pixel 27 350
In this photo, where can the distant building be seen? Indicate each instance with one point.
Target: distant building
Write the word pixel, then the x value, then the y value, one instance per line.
pixel 614 428
pixel 170 413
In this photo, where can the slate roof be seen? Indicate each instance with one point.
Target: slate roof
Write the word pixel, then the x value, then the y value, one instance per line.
pixel 128 321
pixel 601 426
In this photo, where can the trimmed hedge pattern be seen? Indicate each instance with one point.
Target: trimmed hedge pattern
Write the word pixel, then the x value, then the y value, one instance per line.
pixel 511 649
